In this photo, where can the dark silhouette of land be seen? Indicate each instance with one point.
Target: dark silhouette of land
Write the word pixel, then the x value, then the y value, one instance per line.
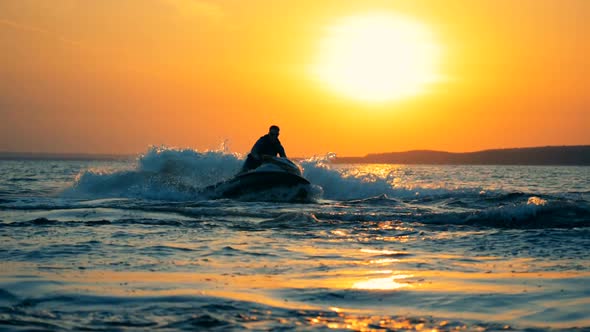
pixel 61 156
pixel 550 155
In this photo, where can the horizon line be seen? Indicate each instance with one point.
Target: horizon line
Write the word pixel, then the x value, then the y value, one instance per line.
pixel 88 155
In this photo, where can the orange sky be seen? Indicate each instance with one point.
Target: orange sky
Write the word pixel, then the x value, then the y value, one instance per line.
pixel 114 76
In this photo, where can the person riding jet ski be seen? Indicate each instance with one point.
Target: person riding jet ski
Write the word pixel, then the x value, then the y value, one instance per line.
pixel 263 171
pixel 267 145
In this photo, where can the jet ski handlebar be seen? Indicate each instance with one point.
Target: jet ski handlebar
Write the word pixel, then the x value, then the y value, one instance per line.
pixel 283 163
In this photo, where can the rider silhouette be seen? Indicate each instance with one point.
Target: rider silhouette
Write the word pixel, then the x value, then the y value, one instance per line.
pixel 267 145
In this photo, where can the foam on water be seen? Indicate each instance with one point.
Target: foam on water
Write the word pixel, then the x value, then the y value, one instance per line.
pixel 534 212
pixel 180 174
pixel 347 184
pixel 160 173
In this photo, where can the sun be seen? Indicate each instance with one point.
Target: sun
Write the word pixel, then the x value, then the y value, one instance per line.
pixel 377 58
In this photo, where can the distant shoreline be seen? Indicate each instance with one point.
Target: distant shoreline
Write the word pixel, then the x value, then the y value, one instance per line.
pixel 549 155
pixel 578 155
pixel 63 156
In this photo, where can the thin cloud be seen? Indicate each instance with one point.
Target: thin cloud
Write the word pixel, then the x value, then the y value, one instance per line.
pixel 35 30
pixel 197 8
pixel 84 48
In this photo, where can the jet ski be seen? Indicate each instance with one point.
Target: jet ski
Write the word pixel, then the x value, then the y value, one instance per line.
pixel 274 173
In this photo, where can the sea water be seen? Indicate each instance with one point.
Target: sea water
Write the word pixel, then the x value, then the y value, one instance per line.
pixel 135 245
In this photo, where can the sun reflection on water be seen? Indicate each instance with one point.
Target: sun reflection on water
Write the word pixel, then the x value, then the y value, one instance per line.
pixel 339 232
pixel 384 261
pixel 388 283
pixel 381 252
pixel 379 323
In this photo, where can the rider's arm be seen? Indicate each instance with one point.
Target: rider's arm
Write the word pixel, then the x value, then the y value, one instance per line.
pixel 282 151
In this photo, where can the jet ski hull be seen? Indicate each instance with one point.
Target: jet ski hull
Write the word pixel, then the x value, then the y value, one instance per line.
pixel 274 173
pixel 256 181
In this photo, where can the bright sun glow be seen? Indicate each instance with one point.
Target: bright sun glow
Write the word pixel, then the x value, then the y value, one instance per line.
pixel 377 58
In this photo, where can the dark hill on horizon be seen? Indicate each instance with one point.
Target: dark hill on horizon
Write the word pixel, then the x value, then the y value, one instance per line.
pixel 549 155
pixel 62 156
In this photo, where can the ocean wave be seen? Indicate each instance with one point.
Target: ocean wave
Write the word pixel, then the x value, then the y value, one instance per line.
pixel 535 213
pixel 161 173
pixel 75 311
pixel 21 179
pixel 511 211
pixel 182 174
